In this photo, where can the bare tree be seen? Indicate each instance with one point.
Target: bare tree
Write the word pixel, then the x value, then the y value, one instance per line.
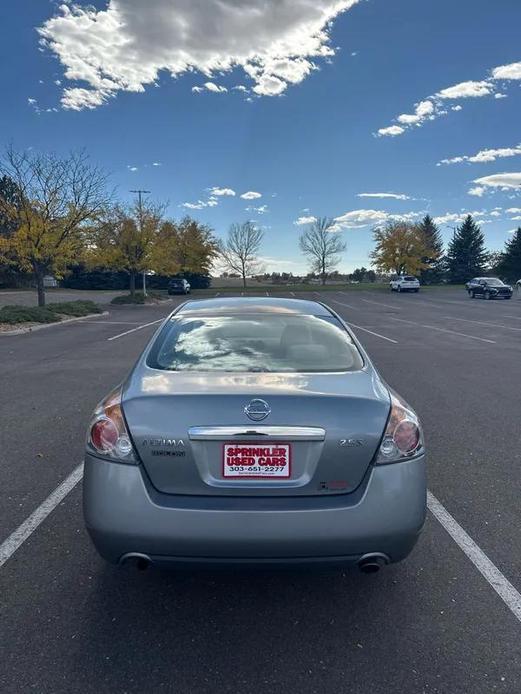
pixel 56 197
pixel 240 252
pixel 322 245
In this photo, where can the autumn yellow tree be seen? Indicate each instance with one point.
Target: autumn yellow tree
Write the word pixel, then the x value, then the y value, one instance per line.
pixel 126 239
pixel 55 199
pixel 185 247
pixel 400 248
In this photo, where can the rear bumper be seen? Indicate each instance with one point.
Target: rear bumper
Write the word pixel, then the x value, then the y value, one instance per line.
pixel 125 514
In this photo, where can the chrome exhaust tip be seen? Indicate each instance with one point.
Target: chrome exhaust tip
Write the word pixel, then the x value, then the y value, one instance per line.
pixel 372 563
pixel 141 561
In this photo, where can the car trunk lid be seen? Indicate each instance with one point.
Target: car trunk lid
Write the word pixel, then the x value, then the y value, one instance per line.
pixel 327 427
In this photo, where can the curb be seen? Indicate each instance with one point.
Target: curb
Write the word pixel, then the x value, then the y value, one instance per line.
pixel 34 328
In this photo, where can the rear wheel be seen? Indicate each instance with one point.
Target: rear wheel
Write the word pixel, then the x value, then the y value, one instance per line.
pixel 416 291
pixel 398 289
pixel 472 295
pixel 508 297
pixel 488 296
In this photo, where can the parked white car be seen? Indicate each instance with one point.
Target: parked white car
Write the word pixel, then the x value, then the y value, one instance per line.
pixel 405 283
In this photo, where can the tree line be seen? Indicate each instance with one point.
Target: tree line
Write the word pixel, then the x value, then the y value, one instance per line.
pixel 418 249
pixel 57 213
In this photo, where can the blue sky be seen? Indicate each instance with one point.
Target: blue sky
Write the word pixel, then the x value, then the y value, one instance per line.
pixel 335 108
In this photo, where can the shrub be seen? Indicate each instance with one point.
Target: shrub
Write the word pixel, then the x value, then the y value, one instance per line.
pixel 75 308
pixel 27 314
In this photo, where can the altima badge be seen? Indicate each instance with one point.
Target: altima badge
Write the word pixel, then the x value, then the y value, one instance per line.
pixel 257 410
pixel 351 443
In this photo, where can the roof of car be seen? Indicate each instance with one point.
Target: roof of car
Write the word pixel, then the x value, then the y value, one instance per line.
pixel 253 304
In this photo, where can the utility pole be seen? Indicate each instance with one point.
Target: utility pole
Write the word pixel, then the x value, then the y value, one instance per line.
pixel 139 194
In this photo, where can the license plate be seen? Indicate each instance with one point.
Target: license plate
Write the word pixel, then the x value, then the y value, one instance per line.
pixel 256 460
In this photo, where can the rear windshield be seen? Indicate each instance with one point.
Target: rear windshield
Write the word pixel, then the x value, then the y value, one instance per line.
pixel 493 282
pixel 255 343
pixel 409 278
pixel 176 281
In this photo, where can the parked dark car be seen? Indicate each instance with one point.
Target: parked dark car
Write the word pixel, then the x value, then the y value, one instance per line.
pixel 178 286
pixel 489 288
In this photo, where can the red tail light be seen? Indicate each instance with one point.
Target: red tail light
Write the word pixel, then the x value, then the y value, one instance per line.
pixel 108 436
pixel 403 436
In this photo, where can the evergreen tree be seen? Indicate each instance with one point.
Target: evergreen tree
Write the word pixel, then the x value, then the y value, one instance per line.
pixel 433 273
pixel 466 254
pixel 509 266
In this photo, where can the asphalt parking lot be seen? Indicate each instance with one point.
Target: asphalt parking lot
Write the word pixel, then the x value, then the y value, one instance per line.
pixel 443 621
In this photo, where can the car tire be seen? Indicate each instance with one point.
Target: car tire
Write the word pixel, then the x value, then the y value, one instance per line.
pixel 472 295
pixel 488 296
pixel 398 289
pixel 416 291
pixel 508 297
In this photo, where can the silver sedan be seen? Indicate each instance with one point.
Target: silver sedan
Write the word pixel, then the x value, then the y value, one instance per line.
pixel 254 431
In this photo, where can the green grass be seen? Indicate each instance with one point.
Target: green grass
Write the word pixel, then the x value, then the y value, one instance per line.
pixel 255 288
pixel 52 313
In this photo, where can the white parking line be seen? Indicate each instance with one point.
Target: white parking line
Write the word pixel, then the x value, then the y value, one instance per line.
pixel 359 327
pixel 27 528
pixel 481 322
pixel 516 317
pixel 140 327
pixel 344 304
pixel 483 564
pixel 378 303
pixel 444 330
pixel 218 294
pixel 494 577
pixel 292 293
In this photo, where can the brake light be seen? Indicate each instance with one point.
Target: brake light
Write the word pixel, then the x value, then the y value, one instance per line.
pixel 108 436
pixel 403 436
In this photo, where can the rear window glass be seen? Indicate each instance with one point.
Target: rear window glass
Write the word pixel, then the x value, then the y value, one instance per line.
pixel 409 278
pixel 493 282
pixel 255 343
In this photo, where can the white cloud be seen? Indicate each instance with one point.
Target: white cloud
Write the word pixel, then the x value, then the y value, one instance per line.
pixel 259 210
pixel 507 72
pixel 199 205
pixel 240 88
pixel 394 196
pixel 466 90
pixel 306 219
pixel 132 168
pixel 219 192
pixel 462 90
pixel 125 46
pixel 357 219
pixel 485 155
pixel 514 210
pixel 504 181
pixel 156 163
pixel 31 101
pixel 78 98
pixel 392 130
pixel 210 87
pixel 478 191
pixel 422 111
pixel 251 195
pixel 460 216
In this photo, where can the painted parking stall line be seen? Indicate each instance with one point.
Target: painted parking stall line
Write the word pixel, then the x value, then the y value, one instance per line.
pixel 490 572
pixel 481 322
pixel 444 330
pixel 30 524
pixel 342 303
pixel 140 327
pixel 382 337
pixel 506 591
